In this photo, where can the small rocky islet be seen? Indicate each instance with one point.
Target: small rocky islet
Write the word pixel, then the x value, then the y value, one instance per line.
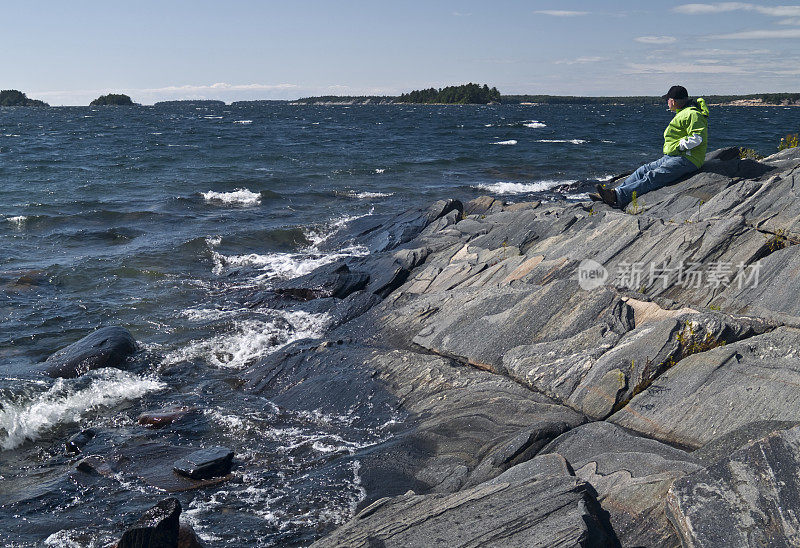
pixel 533 410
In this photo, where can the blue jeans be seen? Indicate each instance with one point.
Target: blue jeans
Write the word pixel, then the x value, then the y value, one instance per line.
pixel 652 176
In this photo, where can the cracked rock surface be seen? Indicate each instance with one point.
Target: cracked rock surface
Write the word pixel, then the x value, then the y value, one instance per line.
pixel 657 409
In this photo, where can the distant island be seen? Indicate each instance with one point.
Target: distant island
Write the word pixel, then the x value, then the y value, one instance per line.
pixel 468 94
pixel 112 99
pixel 14 98
pixel 191 102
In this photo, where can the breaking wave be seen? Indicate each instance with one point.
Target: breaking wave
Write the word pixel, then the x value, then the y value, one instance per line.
pixel 521 188
pixel 509 142
pixel 240 196
pixel 67 400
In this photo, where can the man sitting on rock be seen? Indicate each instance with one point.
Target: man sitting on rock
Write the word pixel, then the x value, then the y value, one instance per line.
pixel 685 144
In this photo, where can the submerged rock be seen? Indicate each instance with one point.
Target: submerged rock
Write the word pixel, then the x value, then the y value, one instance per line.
pixel 106 347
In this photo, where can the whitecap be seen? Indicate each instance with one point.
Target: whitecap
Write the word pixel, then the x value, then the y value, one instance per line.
pixel 17 221
pixel 380 170
pixel 243 122
pixel 521 188
pixel 535 124
pixel 573 141
pixel 252 339
pixel 67 400
pixel 509 142
pixel 240 196
pixel 283 265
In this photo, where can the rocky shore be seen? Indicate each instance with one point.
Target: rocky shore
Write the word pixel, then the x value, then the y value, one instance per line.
pixel 654 411
pixel 557 374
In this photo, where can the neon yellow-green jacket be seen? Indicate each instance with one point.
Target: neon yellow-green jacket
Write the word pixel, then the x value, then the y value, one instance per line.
pixel 681 135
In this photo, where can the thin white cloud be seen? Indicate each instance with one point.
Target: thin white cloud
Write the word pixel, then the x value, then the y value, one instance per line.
pixel 727 52
pixel 681 68
pixel 461 14
pixel 581 60
pixel 656 39
pixel 765 34
pixel 720 7
pixel 794 21
pixel 562 13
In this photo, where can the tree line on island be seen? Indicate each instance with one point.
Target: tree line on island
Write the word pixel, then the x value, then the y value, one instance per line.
pixel 466 94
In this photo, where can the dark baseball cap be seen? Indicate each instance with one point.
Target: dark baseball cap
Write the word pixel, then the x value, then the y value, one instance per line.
pixel 676 92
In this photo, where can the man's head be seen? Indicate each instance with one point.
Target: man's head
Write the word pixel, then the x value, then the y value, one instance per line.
pixel 676 97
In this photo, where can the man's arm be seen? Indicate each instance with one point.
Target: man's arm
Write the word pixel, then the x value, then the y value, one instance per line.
pixel 694 129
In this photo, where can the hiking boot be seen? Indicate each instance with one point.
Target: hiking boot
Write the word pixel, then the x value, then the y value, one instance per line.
pixel 595 197
pixel 608 195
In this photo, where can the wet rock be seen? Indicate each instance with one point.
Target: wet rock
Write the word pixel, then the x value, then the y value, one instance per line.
pixel 383 232
pixel 549 511
pixel 335 280
pixel 747 499
pixel 187 538
pixel 205 463
pixel 631 476
pixel 106 347
pixel 151 463
pixel 160 418
pixel 452 418
pixel 157 528
pixel 77 442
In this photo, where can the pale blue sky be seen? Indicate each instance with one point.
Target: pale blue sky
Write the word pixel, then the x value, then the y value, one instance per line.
pixel 71 52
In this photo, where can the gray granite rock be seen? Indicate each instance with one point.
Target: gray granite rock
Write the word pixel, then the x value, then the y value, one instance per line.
pixel 712 393
pixel 537 512
pixel 750 498
pixel 631 476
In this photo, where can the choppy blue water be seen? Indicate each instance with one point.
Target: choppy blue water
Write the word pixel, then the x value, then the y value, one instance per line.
pixel 155 217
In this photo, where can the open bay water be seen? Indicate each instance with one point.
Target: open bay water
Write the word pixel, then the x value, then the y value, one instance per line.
pixel 160 218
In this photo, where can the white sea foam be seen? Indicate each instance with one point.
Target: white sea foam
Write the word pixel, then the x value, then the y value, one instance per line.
pixel 521 188
pixel 67 400
pixel 240 196
pixel 379 170
pixel 207 314
pixel 17 221
pixel 535 124
pixel 283 265
pixel 579 197
pixel 573 141
pixel 509 142
pixel 251 339
pixel 243 122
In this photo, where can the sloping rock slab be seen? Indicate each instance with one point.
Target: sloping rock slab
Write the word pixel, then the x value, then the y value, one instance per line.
pixel 713 393
pixel 106 347
pixel 382 233
pixel 452 418
pixel 631 476
pixel 548 512
pixel 749 499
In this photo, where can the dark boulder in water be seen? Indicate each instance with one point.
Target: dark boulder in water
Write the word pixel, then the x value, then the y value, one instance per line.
pixel 160 418
pixel 205 463
pixel 106 347
pixel 77 442
pixel 158 527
